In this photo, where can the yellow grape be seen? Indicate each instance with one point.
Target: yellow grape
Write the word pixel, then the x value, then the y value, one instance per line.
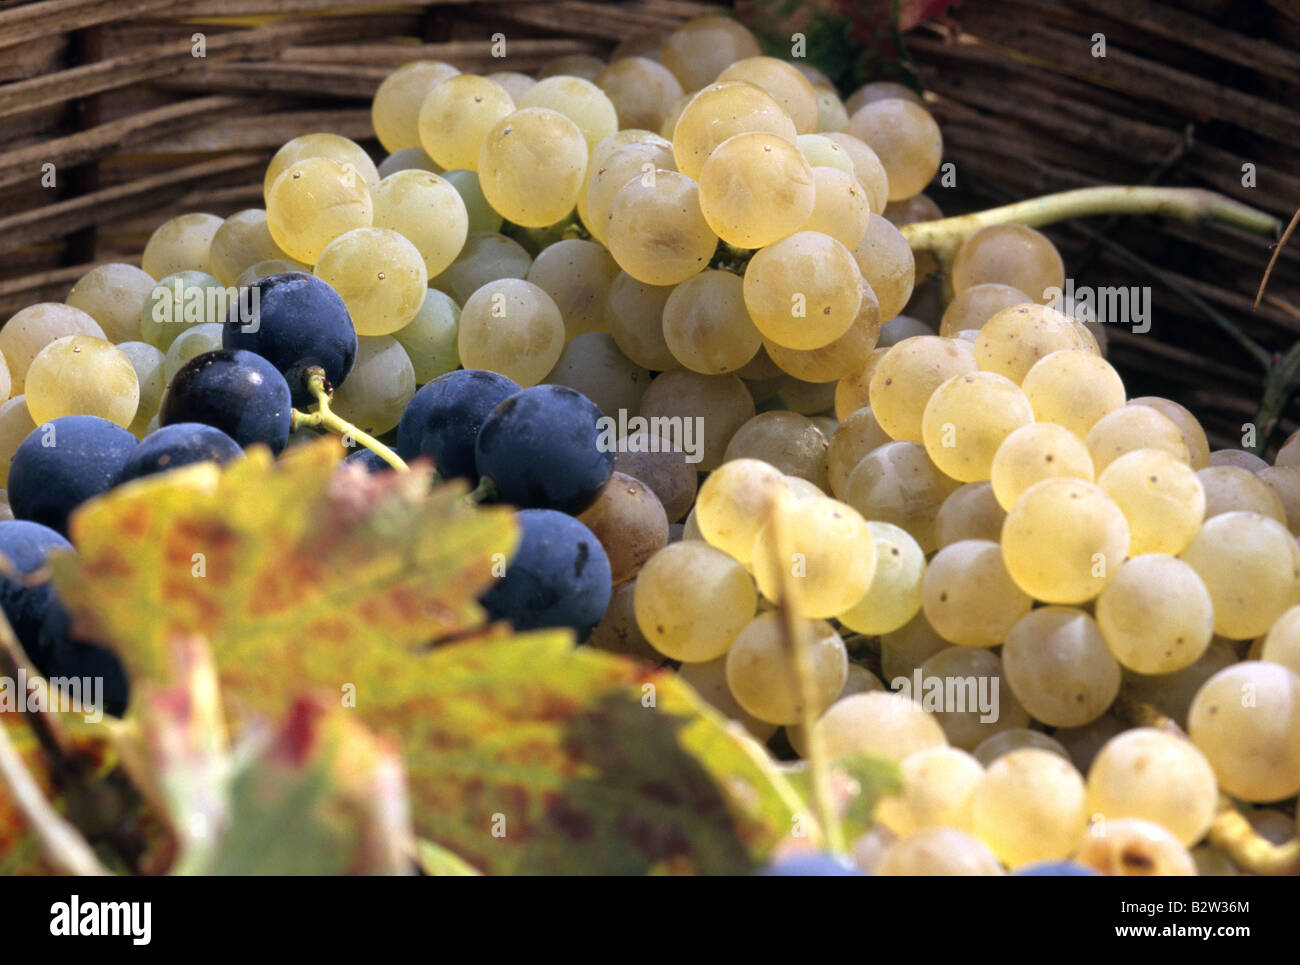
pixel 1010 254
pixel 1231 488
pixel 1017 738
pixel 1034 452
pixel 1251 566
pixel 577 275
pixel 634 314
pixel 734 503
pixel 82 375
pixel 314 201
pixel 966 691
pixel 803 292
pixel 971 511
pixel 898 483
pixel 693 600
pixel 114 295
pixel 760 669
pixel 1016 338
pixel 150 373
pixel 395 111
pixel 971 308
pixel 967 420
pixel 379 275
pixel 513 328
pixel 456 116
pixel 828 556
pixel 32 328
pixel 706 325
pixel 783 83
pixel 642 91
pixel 698 50
pixel 707 408
pixel 886 261
pixel 1198 446
pixel 15 425
pixel 579 100
pixel 1133 427
pixel 1156 614
pixel 851 441
pixel 867 167
pixel 1073 388
pixel 1031 806
pixel 1282 644
pixel 347 152
pixel 656 230
pixel 938 852
pixel 605 177
pixel 895 593
pixel 938 786
pixel 181 244
pixel 820 151
pixel 879 724
pixel 709 680
pixel 425 210
pixel 1160 496
pixel 836 359
pixel 852 391
pixel 905 378
pixel 907 140
pixel 756 188
pixel 1059 668
pixel 787 440
pixel 969 597
pixel 720 111
pixel 531 165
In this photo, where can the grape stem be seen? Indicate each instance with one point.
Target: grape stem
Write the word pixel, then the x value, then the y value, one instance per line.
pixel 485 491
pixel 1230 832
pixel 945 236
pixel 799 646
pixel 324 417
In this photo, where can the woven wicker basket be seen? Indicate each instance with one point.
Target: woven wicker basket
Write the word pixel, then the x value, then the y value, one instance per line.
pixel 137 129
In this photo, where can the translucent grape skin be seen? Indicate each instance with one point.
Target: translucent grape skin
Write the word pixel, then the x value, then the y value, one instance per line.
pixel 514 179
pixel 761 675
pixel 706 325
pixel 1010 254
pixel 180 244
pixel 656 230
pixel 1133 427
pixel 803 292
pixel 82 375
pixel 895 594
pixel 1017 738
pixel 113 295
pixel 782 82
pixel 1030 807
pixel 972 307
pixel 31 329
pixel 313 202
pixel 1183 799
pixel 968 418
pixel 1016 338
pixel 630 523
pixel 756 188
pixel 1246 721
pixel 642 91
pixel 880 724
pixel 734 503
pixel 886 261
pixel 720 111
pixel 511 327
pixel 486 257
pixel 1251 566
pixel 1131 847
pixel 907 376
pixel 426 210
pixel 717 406
pixel 692 601
pixel 701 48
pixel 937 786
pixel 1160 496
pixel 789 441
pixel 709 680
pixel 380 276
pixel 634 313
pixel 1073 388
pixel 1156 614
pixel 242 240
pixel 457 114
pixel 970 511
pixel 1059 667
pixel 907 140
pixel 831 556
pixel 966 691
pixel 969 598
pixel 395 111
pixel 151 377
pixel 332 146
pixel 430 337
pixel 898 483
pixel 379 387
pixel 578 99
pixel 1034 452
pixel 577 275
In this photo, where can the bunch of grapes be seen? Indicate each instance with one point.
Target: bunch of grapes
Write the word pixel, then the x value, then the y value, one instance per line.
pixel 655 305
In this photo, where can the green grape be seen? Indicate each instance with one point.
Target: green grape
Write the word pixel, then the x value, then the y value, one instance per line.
pixel 395 111
pixel 721 111
pixel 782 82
pixel 1160 496
pixel 1034 452
pixel 656 230
pixel 1251 566
pixel 379 275
pixel 381 383
pixel 1285 483
pixel 967 420
pixel 831 113
pixel 593 365
pixel 1231 489
pixel 313 202
pixel 937 787
pixel 1133 427
pixel 660 466
pixel 642 91
pixel 970 511
pixel 938 852
pixel 430 337
pixel 1155 776
pixel 709 680
pixel 1010 254
pixel 907 140
pixel 456 116
pixel 513 328
pixel 15 425
pixel 840 207
pixel 820 151
pixel 1031 806
pixel 485 258
pixel 1130 847
pixel 880 90
pixel 856 436
pixel 617 632
pixel 256 272
pixel 579 100
pixel 1063 539
pixel 760 669
pixel 735 502
pixel 886 261
pixel 756 188
pixel 706 325
pixel 1156 614
pixel 1017 738
pixel 190 343
pixel 630 523
pixel 1073 388
pixel 31 329
pixel 879 724
pixel 150 373
pixel 113 295
pixel 482 219
pixel 803 292
pixel 1282 644
pixel 427 211
pixel 828 554
pixel 584 66
pixel 634 314
pixel 966 691
pixel 242 240
pixel 531 166
pixel 702 412
pixel 1014 339
pixel 1246 721
pixel 894 596
pixel 1059 667
pixel 903 651
pixel 347 152
pixel 898 483
pixel 82 375
pixel 693 600
pixel 577 275
pixel 1198 446
pixel 969 597
pixel 867 167
pixel 613 164
pixel 700 49
pixel 852 390
pixel 787 440
pixel 180 244
pixel 181 301
pixel 906 377
pixel 407 159
pixel 971 308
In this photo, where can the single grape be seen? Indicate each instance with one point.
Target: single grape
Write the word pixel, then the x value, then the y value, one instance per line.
pixel 634 314
pixel 867 167
pixel 692 601
pixel 704 46
pixel 1156 614
pixel 886 261
pixel 457 114
pixel 1160 496
pixel 577 275
pixel 485 258
pixel 1230 489
pixel 1034 452
pixel 531 165
pixel 642 91
pixel 709 680
pixel 481 217
pixel 1073 388
pixel 1030 807
pixel 341 149
pixel 656 230
pixel 880 724
pixel 968 596
pixel 243 240
pixel 721 111
pixel 898 483
pixel 1198 446
pixel 430 338
pixel 828 554
pixel 789 441
pixel 907 140
pixel 756 188
pixel 395 111
pixel 972 307
pixel 630 523
pixel 1016 338
pixel 895 594
pixel 1130 847
pixel 313 202
pixel 192 342
pixel 1059 667
pixel 938 785
pixel 1251 566
pixel 939 851
pixel 180 244
pixel 183 301
pixel 427 211
pixel 63 463
pixel 379 387
pixel 380 276
pixel 971 511
pixel 803 292
pixel 880 90
pixel 238 392
pixel 906 377
pixel 852 391
pixel 407 159
pixel 760 671
pixel 969 418
pixel 31 329
pixel 512 327
pixel 82 375
pixel 114 295
pixel 60 653
pixel 966 691
pixel 1010 254
pixel 840 358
